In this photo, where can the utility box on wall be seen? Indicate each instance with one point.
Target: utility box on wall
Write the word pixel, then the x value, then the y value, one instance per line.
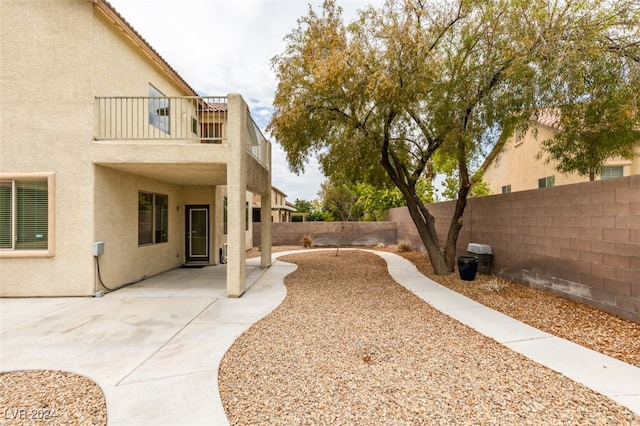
pixel 98 248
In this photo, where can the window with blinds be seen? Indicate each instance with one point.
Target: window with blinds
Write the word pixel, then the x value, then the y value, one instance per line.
pixel 24 214
pixel 612 172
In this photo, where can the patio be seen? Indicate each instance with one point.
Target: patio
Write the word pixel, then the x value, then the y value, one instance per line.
pixel 153 347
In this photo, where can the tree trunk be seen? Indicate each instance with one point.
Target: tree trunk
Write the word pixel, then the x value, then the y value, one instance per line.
pixel 461 203
pixel 425 224
pixel 454 227
pixel 424 221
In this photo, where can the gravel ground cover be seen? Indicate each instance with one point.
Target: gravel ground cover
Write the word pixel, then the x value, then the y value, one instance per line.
pixel 348 345
pixel 47 397
pixel 587 326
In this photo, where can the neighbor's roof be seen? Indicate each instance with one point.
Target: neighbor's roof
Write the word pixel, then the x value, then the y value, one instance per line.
pixel 550 117
pixel 214 107
pixel 137 39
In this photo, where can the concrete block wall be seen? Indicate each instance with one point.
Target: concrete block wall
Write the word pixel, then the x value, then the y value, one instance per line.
pixel 328 233
pixel 581 241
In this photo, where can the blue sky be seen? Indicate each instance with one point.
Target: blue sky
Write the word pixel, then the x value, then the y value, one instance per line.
pixel 225 46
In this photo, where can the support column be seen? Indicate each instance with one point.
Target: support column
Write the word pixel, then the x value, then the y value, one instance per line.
pixel 236 195
pixel 265 229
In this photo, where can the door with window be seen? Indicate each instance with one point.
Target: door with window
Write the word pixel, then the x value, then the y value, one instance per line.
pixel 197 233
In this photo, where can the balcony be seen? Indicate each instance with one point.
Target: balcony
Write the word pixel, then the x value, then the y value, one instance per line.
pixel 171 120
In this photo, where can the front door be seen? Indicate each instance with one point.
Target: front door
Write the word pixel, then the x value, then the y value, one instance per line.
pixel 197 232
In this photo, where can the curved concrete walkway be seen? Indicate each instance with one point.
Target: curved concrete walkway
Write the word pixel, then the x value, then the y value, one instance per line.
pixel 155 347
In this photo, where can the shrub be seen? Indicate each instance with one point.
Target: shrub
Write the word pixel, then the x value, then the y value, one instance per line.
pixel 307 240
pixel 403 247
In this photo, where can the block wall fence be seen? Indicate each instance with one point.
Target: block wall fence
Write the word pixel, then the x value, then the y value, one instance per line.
pixel 581 241
pixel 329 233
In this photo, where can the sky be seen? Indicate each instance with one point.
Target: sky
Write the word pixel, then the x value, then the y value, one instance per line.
pixel 226 46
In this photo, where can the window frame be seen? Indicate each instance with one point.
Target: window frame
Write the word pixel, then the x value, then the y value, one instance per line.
pixel 606 176
pixel 518 138
pixel 49 177
pixel 156 220
pixel 549 182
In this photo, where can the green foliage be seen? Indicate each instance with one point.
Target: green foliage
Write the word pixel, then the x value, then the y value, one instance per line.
pixel 303 206
pixel 451 187
pixel 340 200
pixel 600 117
pixel 375 202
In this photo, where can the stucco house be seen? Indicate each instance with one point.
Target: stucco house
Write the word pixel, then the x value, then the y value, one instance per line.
pixel 281 209
pixel 517 168
pixel 112 167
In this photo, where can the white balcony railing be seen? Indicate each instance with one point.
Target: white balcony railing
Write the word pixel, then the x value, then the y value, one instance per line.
pixel 257 145
pixel 190 118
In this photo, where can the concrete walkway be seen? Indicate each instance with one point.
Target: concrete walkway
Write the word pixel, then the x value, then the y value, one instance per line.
pixel 155 347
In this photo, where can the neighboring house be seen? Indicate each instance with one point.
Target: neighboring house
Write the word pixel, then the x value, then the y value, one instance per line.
pixel 516 168
pixel 281 209
pixel 112 168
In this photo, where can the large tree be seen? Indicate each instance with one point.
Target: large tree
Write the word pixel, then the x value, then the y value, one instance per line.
pixel 418 83
pixel 599 115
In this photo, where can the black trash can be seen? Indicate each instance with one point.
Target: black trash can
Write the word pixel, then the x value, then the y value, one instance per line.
pixel 467 267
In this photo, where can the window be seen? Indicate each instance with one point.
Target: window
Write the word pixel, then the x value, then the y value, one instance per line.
pixel 26 214
pixel 506 189
pixel 612 172
pixel 225 215
pixel 153 218
pixel 256 215
pixel 547 182
pixel 518 138
pixel 158 110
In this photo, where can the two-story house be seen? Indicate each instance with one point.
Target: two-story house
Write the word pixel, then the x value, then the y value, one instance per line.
pixel 112 167
pixel 517 167
pixel 281 209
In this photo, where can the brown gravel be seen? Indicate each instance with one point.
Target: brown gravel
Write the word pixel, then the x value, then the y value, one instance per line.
pixel 47 397
pixel 587 326
pixel 348 345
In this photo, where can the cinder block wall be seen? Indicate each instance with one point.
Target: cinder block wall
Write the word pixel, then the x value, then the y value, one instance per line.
pixel 328 233
pixel 581 241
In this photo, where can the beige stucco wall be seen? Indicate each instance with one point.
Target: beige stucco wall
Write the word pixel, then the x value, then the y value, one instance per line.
pixel 518 166
pixel 46 121
pixel 116 216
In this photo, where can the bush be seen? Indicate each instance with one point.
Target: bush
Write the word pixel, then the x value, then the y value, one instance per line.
pixel 307 240
pixel 403 247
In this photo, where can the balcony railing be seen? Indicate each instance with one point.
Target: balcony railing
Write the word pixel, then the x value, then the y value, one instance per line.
pixel 191 118
pixel 257 145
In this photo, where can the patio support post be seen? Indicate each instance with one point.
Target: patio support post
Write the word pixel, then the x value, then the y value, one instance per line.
pixel 265 228
pixel 236 195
